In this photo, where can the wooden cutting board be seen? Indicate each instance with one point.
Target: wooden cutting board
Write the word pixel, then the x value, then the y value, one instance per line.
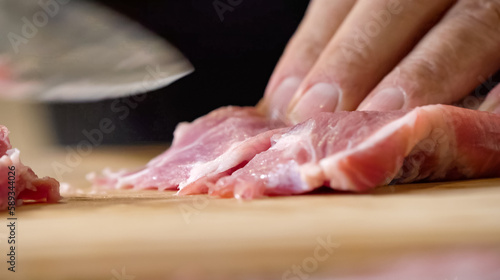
pixel 157 235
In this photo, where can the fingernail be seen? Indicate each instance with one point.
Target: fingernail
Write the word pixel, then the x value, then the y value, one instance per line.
pixel 322 97
pixel 490 106
pixel 282 96
pixel 386 100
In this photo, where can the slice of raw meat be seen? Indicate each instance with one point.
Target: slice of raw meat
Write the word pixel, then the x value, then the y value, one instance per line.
pixel 357 151
pixel 210 147
pixel 27 184
pixel 237 152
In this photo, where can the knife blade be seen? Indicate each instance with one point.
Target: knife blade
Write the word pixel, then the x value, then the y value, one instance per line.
pixel 61 50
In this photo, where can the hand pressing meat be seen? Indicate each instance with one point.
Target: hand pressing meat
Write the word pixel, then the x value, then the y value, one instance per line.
pixel 239 152
pixel 385 55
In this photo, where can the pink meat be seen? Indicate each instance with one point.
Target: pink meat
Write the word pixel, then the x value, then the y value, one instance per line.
pixel 358 151
pixel 208 148
pixel 28 187
pixel 235 152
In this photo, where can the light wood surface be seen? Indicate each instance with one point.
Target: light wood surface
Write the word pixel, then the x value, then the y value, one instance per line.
pixel 157 235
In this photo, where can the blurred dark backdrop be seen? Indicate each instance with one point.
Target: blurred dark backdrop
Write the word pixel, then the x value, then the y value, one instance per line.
pixel 233 58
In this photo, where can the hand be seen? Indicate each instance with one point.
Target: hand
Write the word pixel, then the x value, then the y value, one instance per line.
pixel 385 55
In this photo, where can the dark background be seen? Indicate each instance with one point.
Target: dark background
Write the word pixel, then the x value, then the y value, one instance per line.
pixel 233 61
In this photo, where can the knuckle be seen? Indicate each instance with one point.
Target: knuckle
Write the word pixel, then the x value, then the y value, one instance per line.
pixel 344 61
pixel 481 12
pixel 345 68
pixel 427 68
pixel 311 49
pixel 353 56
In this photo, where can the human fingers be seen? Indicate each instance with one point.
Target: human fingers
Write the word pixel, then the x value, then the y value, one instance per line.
pixel 320 23
pixel 373 39
pixel 445 65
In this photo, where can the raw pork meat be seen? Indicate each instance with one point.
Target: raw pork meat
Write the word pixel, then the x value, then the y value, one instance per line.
pixel 27 185
pixel 235 152
pixel 357 151
pixel 209 148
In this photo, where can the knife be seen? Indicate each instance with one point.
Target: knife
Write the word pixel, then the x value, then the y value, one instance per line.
pixel 62 50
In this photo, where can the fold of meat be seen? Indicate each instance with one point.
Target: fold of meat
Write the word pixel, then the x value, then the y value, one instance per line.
pixel 357 151
pixel 27 184
pixel 208 148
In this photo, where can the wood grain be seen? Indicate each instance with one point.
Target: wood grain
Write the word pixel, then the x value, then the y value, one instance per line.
pixel 158 235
